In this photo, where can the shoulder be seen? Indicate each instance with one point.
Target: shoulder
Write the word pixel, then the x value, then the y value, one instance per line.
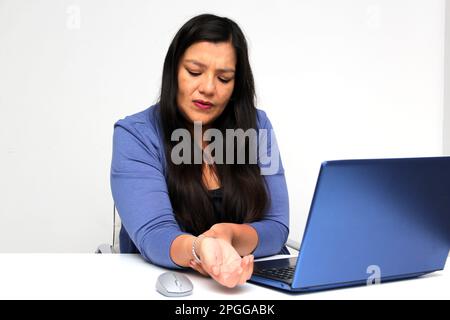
pixel 145 118
pixel 262 119
pixel 143 125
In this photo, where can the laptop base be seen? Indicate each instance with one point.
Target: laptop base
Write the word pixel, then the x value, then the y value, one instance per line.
pixel 287 288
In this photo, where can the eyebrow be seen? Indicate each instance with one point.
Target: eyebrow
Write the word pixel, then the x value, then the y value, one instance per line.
pixel 204 66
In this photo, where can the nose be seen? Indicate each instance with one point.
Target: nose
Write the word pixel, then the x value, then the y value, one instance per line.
pixel 207 86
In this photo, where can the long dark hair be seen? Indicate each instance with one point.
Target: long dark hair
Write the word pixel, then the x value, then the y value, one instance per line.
pixel 245 196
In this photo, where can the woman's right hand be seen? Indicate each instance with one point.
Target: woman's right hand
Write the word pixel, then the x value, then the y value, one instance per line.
pixel 222 262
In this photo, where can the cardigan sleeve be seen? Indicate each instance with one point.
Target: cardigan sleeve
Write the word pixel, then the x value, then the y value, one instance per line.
pixel 140 192
pixel 273 229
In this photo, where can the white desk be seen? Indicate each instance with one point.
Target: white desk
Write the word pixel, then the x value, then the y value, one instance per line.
pixel 116 276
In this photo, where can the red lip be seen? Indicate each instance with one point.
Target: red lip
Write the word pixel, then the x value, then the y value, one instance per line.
pixel 203 105
pixel 207 103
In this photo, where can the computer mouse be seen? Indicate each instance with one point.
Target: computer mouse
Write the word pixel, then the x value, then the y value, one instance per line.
pixel 174 284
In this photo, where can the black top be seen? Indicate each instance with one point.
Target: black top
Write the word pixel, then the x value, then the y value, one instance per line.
pixel 216 196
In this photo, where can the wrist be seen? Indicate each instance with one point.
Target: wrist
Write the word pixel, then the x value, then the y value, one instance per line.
pixel 196 248
pixel 223 231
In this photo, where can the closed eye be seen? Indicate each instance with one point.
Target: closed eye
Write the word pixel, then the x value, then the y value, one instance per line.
pixel 196 74
pixel 224 81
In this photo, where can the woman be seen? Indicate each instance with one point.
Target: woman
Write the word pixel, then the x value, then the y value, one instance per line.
pixel 212 216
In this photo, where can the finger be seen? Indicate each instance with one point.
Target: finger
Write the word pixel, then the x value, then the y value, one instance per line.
pixel 221 278
pixel 216 270
pixel 230 281
pixel 249 270
pixel 240 271
pixel 233 278
pixel 246 269
pixel 228 278
pixel 251 266
pixel 237 280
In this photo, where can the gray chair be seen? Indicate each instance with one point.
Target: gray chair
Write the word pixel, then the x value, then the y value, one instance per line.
pixel 114 246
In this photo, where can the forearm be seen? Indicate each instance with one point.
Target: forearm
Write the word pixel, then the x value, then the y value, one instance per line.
pixel 242 237
pixel 181 250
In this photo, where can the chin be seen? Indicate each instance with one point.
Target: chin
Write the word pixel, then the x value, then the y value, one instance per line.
pixel 202 116
pixel 203 120
pixel 205 117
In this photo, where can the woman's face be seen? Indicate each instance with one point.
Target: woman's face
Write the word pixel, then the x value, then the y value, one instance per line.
pixel 205 80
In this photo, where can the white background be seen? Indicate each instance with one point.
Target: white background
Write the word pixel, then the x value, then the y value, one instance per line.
pixel 338 79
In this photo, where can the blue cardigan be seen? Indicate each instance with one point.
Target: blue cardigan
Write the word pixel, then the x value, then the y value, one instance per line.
pixel 141 196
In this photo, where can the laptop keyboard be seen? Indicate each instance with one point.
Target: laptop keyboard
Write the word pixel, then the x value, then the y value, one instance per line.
pixel 283 274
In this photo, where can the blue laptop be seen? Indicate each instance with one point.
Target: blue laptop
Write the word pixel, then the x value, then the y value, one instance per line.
pixel 370 221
